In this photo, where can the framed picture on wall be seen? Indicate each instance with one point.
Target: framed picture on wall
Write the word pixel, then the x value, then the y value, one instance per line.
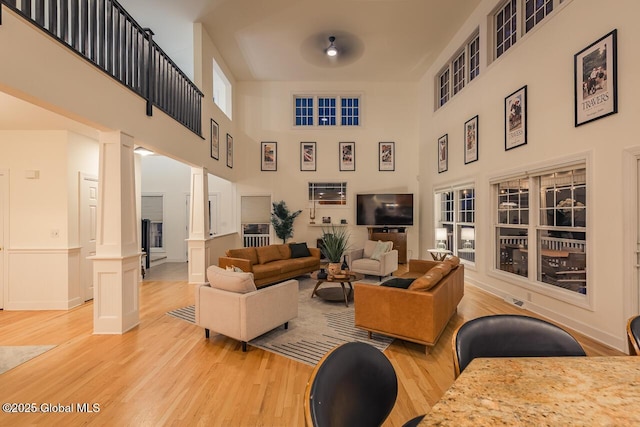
pixel 515 119
pixel 307 156
pixel 596 80
pixel 347 151
pixel 269 156
pixel 215 140
pixel 229 151
pixel 443 153
pixel 471 140
pixel 386 156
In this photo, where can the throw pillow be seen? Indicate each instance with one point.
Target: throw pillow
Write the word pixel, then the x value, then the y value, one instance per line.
pixel 234 268
pixel 381 248
pixel 397 282
pixel 426 281
pixel 230 281
pixel 299 250
pixel 268 253
pixel 453 260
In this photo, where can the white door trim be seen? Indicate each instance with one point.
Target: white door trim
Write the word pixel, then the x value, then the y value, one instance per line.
pixel 631 236
pixel 4 215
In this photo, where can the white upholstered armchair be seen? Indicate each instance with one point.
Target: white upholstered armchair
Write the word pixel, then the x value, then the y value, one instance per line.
pixel 230 305
pixel 376 259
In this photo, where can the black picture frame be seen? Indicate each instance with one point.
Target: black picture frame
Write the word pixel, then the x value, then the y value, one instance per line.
pixel 215 140
pixel 229 151
pixel 515 119
pixel 471 140
pixel 269 156
pixel 347 153
pixel 386 156
pixel 595 72
pixel 308 156
pixel 443 153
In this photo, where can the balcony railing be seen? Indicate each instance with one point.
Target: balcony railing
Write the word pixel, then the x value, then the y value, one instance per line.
pixel 102 32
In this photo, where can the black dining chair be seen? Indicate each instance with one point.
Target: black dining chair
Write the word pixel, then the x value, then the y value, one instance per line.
pixel 352 385
pixel 633 334
pixel 510 335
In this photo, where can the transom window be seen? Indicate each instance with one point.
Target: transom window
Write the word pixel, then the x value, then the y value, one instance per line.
pixel 326 111
pixel 304 111
pixel 512 16
pixel 463 67
pixel 330 111
pixel 558 231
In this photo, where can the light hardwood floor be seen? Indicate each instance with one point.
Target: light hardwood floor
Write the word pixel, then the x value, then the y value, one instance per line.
pixel 164 372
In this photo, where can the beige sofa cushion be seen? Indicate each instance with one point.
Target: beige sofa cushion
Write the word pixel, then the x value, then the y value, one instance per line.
pixel 427 280
pixel 244 253
pixel 231 281
pixel 268 253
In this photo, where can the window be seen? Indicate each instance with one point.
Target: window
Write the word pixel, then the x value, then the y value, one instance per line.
pixel 458 73
pixel 152 209
pixel 457 209
pixel 326 111
pixel 222 91
pixel 304 111
pixel 328 193
pixel 255 218
pixel 464 67
pixel 512 233
pixel 350 113
pixel 509 18
pixel 535 11
pixel 559 245
pixel 330 111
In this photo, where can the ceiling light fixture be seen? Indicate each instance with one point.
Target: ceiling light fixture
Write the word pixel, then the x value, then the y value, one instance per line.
pixel 332 50
pixel 142 151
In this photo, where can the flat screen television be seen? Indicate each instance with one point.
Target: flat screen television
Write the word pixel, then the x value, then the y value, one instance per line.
pixel 384 209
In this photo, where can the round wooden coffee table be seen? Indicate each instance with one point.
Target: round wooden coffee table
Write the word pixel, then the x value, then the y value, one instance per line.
pixel 335 293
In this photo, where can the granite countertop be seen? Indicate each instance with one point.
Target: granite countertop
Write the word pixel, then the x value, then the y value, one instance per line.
pixel 577 391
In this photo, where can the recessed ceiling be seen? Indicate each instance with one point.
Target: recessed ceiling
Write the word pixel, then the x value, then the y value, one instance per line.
pixel 271 40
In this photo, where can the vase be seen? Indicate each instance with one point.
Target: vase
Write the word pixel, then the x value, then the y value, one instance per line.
pixel 344 266
pixel 334 268
pixel 322 274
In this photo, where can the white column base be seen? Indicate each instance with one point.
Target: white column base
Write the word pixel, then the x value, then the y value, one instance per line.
pixel 199 252
pixel 116 302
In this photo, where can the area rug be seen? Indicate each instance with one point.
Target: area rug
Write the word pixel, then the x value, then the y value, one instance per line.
pixel 12 356
pixel 320 326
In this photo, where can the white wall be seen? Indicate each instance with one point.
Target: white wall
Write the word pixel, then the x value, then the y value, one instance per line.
pixel 164 176
pixel 543 61
pixel 389 113
pixel 42 246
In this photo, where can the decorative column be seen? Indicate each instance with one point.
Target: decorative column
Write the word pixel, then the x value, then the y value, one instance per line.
pixel 116 265
pixel 199 239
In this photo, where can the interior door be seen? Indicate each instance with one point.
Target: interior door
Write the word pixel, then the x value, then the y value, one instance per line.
pixel 88 229
pixel 4 207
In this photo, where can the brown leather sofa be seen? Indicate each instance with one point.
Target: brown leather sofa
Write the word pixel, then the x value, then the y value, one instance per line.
pixel 272 263
pixel 418 316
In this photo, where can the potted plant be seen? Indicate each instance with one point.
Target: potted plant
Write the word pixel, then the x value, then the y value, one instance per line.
pixel 334 245
pixel 282 220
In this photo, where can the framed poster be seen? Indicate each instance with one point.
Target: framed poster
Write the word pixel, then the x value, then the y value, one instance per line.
pixel 347 156
pixel 386 156
pixel 307 156
pixel 471 140
pixel 229 151
pixel 515 119
pixel 596 80
pixel 269 156
pixel 443 153
pixel 215 140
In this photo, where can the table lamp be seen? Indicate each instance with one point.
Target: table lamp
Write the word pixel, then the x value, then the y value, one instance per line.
pixel 468 234
pixel 441 237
